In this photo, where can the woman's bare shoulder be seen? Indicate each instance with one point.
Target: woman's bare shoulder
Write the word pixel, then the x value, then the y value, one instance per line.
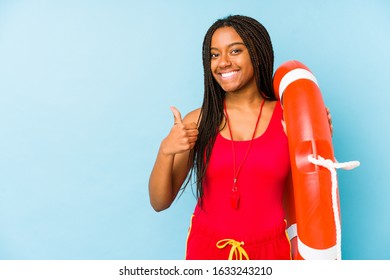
pixel 192 116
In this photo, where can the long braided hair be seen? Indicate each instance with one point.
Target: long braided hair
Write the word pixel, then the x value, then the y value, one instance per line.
pixel 258 43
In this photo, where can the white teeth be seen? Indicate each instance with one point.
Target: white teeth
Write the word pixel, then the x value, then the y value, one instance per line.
pixel 228 75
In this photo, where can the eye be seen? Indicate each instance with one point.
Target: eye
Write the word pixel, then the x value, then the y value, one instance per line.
pixel 214 55
pixel 236 51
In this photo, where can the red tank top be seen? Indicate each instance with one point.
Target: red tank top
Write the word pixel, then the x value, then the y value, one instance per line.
pixel 261 183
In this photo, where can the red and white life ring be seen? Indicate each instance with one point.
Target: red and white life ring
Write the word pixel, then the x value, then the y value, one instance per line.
pixel 309 135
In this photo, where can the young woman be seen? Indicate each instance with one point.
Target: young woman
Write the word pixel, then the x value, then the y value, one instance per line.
pixel 235 147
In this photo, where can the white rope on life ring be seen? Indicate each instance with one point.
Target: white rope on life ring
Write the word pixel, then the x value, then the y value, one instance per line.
pixel 332 166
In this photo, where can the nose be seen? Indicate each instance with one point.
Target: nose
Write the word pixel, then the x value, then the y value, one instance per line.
pixel 224 61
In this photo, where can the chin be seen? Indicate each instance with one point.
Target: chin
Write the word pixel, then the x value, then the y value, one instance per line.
pixel 230 88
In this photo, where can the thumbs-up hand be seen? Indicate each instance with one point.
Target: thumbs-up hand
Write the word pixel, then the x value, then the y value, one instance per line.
pixel 182 136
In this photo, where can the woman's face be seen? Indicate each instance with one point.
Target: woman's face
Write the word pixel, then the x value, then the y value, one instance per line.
pixel 231 65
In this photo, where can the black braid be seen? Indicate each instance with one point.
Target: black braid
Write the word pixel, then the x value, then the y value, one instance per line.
pixel 258 43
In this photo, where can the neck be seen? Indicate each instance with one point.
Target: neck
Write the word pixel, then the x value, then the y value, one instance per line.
pixel 247 99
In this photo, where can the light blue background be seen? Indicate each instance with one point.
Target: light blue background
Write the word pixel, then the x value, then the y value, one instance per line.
pixel 85 90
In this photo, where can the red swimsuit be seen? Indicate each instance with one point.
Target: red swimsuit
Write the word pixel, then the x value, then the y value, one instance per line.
pixel 256 229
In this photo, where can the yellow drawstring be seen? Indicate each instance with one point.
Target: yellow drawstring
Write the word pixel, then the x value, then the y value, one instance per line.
pixel 236 249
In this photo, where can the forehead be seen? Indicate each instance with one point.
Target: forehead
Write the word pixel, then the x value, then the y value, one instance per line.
pixel 224 36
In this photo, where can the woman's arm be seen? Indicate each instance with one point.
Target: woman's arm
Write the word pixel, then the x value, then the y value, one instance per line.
pixel 173 163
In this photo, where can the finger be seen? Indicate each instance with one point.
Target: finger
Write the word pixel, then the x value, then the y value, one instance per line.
pixel 192 136
pixel 329 120
pixel 192 132
pixel 328 113
pixel 284 126
pixel 331 130
pixel 176 115
pixel 192 140
pixel 191 125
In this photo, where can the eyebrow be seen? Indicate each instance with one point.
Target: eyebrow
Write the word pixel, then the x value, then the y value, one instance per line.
pixel 230 45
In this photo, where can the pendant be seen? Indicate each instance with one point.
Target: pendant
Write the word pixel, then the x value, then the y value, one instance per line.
pixel 235 197
pixel 235 200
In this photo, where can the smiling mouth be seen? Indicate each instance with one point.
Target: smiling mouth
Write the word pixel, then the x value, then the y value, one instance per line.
pixel 228 75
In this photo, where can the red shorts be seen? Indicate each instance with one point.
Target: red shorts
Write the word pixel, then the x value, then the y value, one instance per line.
pixel 204 244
